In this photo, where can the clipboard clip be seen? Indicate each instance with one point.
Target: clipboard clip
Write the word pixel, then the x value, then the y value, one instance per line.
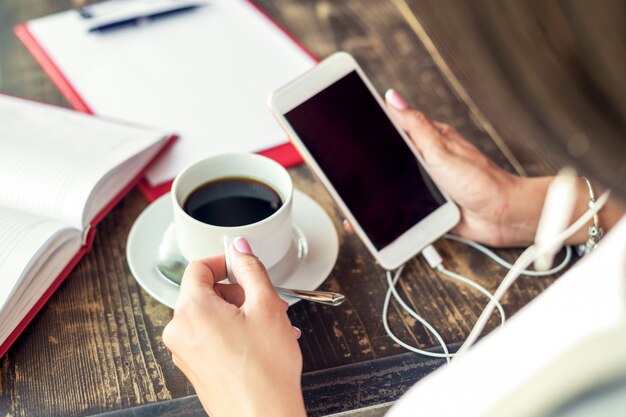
pixel 116 14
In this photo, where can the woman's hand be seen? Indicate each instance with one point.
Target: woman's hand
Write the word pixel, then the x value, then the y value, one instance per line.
pixel 235 343
pixel 492 209
pixel 497 208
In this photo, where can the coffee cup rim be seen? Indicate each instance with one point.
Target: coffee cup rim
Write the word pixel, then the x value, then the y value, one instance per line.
pixel 284 206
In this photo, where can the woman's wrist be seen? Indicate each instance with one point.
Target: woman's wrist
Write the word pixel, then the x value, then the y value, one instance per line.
pixel 279 401
pixel 257 402
pixel 525 198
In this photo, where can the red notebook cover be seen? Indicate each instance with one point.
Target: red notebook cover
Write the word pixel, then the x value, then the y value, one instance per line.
pixel 284 154
pixel 83 250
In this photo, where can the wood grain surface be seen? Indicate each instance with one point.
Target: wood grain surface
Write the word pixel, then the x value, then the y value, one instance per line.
pixel 96 346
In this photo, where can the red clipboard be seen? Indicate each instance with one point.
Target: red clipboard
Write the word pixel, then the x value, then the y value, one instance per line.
pixel 285 154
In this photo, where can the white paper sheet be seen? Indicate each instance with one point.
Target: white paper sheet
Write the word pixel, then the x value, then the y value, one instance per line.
pixel 204 74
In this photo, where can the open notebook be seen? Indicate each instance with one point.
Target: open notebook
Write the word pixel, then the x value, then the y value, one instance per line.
pixel 60 172
pixel 206 74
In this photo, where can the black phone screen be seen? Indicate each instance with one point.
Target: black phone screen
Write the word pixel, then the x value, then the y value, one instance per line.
pixel 367 161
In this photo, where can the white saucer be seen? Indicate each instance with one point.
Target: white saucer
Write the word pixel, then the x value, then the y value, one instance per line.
pixel 306 266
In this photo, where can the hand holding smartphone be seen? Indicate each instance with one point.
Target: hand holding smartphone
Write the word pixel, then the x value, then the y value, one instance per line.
pixel 341 127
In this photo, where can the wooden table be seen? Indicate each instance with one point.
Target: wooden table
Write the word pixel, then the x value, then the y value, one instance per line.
pixel 96 346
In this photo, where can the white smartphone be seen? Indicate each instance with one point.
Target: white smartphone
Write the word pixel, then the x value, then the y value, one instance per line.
pixel 342 129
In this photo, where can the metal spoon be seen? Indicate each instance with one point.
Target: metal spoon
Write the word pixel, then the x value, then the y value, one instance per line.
pixel 174 269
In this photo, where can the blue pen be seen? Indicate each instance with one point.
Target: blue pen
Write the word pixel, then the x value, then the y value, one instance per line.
pixel 143 19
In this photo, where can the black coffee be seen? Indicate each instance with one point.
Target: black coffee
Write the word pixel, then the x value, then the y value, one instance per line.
pixel 232 202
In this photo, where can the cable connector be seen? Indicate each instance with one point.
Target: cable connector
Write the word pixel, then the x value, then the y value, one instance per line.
pixel 432 257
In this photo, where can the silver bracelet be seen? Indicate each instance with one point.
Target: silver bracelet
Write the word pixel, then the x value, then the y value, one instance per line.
pixel 595 232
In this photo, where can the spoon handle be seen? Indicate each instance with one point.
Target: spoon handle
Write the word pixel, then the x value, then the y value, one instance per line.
pixel 323 297
pixel 173 271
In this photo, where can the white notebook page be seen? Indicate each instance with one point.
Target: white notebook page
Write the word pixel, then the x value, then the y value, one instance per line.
pixel 204 74
pixel 22 236
pixel 33 252
pixel 52 158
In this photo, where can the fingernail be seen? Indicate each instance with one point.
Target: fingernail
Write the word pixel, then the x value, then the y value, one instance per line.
pixel 242 245
pixel 297 332
pixel 395 99
pixel 347 226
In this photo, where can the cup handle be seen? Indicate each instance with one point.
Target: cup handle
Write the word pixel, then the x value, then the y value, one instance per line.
pixel 228 241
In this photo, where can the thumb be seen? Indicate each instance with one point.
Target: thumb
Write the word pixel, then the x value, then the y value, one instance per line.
pixel 423 133
pixel 249 271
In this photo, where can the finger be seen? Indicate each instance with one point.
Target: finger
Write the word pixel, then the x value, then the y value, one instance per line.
pixel 395 100
pixel 233 293
pixel 202 273
pixel 443 128
pixel 217 265
pixel 297 332
pixel 347 227
pixel 198 281
pixel 168 336
pixel 250 272
pixel 446 131
pixel 197 275
pixel 423 133
pixel 451 133
pixel 176 360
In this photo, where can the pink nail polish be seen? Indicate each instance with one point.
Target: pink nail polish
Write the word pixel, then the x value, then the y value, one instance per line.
pixel 297 332
pixel 242 245
pixel 395 99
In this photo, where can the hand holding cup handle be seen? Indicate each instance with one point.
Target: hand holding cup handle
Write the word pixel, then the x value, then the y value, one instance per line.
pixel 215 327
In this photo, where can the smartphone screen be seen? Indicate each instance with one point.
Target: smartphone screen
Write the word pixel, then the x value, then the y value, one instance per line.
pixel 370 165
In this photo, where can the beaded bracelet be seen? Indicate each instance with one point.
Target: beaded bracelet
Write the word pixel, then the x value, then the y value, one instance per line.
pixel 595 232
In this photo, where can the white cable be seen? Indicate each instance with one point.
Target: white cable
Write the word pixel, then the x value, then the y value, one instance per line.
pixel 502 262
pixel 476 286
pixel 524 260
pixel 434 260
pixel 515 270
pixel 392 290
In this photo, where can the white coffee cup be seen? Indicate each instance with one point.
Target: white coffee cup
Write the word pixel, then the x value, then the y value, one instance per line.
pixel 270 238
